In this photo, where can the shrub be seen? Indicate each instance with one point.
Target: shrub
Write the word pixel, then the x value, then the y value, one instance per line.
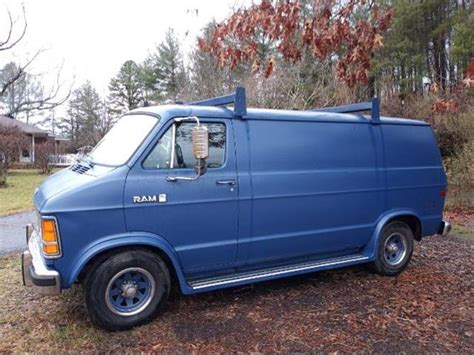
pixel 12 141
pixel 453 135
pixel 456 140
pixel 460 170
pixel 43 157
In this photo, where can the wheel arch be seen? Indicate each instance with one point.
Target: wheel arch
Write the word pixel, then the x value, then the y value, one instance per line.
pixel 410 217
pixel 412 221
pixel 99 252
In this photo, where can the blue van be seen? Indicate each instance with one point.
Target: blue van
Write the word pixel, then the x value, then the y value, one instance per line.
pixel 203 196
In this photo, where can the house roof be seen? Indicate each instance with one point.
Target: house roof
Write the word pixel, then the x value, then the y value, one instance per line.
pixel 26 128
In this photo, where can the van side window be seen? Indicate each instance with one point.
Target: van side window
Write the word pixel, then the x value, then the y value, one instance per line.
pixel 160 156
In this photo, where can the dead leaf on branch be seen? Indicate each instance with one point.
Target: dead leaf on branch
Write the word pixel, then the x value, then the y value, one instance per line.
pixel 326 32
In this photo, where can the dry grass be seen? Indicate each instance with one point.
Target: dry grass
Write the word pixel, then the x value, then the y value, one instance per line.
pixel 428 308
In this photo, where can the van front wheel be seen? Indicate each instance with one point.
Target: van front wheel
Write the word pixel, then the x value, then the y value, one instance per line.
pixel 394 249
pixel 127 289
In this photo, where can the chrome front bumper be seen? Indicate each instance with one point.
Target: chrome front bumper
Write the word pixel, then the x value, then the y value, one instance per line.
pixel 444 228
pixel 34 270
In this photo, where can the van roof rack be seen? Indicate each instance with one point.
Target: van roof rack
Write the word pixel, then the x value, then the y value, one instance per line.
pixel 239 101
pixel 237 98
pixel 372 106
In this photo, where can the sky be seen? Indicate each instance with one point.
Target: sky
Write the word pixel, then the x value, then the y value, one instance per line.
pixel 90 39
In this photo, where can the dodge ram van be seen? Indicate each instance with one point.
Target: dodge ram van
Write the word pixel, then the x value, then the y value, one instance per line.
pixel 211 194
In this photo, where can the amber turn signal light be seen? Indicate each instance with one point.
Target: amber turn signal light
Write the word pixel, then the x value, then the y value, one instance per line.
pixel 51 249
pixel 50 237
pixel 49 230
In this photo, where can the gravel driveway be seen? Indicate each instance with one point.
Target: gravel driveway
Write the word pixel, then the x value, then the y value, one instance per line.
pixel 12 231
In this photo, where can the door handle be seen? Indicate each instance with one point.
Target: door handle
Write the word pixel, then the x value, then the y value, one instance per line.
pixel 226 182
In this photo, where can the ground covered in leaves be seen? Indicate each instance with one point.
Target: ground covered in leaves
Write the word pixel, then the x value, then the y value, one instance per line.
pixel 428 308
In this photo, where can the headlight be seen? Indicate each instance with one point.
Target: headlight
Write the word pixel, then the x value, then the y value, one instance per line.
pixel 50 238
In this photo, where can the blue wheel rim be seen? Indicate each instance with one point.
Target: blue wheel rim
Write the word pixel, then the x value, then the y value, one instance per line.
pixel 130 291
pixel 395 249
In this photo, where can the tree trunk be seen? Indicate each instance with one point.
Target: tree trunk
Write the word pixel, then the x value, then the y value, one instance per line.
pixel 402 78
pixel 436 64
pixel 371 86
pixel 443 64
pixel 3 177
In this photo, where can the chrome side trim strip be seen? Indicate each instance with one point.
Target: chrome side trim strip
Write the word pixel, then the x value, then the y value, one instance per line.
pixel 255 276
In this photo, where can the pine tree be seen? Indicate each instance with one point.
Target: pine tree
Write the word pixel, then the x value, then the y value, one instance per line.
pixel 207 78
pixel 85 117
pixel 163 71
pixel 428 39
pixel 173 75
pixel 462 49
pixel 126 89
pixel 151 77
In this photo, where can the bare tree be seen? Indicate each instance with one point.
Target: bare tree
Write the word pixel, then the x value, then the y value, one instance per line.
pixel 8 43
pixel 25 88
pixel 14 75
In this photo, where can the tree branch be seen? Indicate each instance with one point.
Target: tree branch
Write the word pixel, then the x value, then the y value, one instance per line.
pixel 21 71
pixel 47 102
pixel 6 45
pixel 10 29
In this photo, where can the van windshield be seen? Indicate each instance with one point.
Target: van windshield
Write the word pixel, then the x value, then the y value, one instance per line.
pixel 122 140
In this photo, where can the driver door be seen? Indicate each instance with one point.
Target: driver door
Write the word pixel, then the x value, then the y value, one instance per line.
pixel 198 218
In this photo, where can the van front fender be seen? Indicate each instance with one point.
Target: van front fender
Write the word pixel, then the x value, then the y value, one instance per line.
pixel 120 240
pixel 370 249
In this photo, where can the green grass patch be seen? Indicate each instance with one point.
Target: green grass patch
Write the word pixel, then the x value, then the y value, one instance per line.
pixel 18 195
pixel 462 231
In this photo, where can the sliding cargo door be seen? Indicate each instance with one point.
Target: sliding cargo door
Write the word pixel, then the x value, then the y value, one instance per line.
pixel 316 189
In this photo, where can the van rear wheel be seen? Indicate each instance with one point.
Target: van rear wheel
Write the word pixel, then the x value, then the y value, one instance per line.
pixel 127 289
pixel 394 249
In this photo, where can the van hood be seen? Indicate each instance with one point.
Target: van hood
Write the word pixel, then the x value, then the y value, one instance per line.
pixel 73 177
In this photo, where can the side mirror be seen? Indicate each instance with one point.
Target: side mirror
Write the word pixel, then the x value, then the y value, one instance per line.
pixel 200 147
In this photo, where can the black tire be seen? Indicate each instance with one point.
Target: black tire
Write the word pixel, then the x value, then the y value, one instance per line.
pixel 388 263
pixel 97 287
